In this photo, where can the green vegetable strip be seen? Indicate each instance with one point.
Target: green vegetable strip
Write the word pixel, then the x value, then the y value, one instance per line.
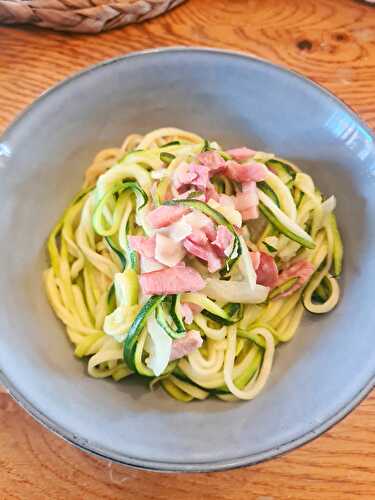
pixel 283 288
pixel 322 292
pixel 172 143
pixel 244 378
pixel 167 157
pixel 283 229
pixel 269 192
pixel 282 170
pixel 163 322
pixel 222 320
pixel 111 299
pixel 51 244
pixel 136 328
pixel 338 248
pixel 175 312
pixel 206 146
pixel 175 392
pixel 269 247
pixel 117 188
pixel 232 313
pixel 212 310
pixel 117 251
pixel 131 255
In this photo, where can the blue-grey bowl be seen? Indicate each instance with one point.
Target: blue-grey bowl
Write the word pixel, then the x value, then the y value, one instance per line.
pixel 317 378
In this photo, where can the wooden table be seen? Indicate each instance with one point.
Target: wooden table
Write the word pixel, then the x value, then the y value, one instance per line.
pixel 330 41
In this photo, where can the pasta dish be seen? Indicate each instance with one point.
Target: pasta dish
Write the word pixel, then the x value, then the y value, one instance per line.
pixel 188 264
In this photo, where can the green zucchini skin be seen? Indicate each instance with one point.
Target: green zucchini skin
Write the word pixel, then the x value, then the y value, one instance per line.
pixel 167 158
pixel 117 251
pixel 338 247
pixel 219 319
pixel 322 293
pixel 270 248
pixel 172 143
pixel 206 146
pixel 269 192
pixel 174 303
pixel 244 378
pixel 284 230
pixel 163 323
pixel 232 313
pixel 175 392
pixel 283 288
pixel 117 188
pixel 282 170
pixel 136 328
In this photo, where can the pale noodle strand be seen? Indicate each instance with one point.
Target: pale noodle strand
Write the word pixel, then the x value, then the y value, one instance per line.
pixel 168 132
pixel 252 389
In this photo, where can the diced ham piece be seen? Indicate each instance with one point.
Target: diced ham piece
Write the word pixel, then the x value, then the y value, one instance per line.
pixel 202 176
pixel 204 252
pixel 143 245
pixel 250 214
pixel 255 259
pixel 209 230
pixel 165 216
pixel 199 237
pixel 171 281
pixel 302 269
pixel 251 189
pixel 247 201
pixel 252 171
pixel 210 192
pixel 223 241
pixel 195 308
pixel 183 175
pixel 188 344
pixel 227 201
pixel 187 313
pixel 190 177
pixel 267 272
pixel 241 154
pixel 181 264
pixel 191 174
pixel 242 202
pixel 213 262
pixel 213 161
pixel 248 197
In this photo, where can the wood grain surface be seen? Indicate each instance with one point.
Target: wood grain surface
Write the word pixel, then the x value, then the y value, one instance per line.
pixel 330 41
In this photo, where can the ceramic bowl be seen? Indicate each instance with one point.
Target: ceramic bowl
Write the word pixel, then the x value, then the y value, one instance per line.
pixel 317 378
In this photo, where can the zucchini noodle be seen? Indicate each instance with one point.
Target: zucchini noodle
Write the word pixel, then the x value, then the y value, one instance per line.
pixel 239 318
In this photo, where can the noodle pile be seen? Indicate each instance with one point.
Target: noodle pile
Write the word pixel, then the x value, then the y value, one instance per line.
pixel 93 279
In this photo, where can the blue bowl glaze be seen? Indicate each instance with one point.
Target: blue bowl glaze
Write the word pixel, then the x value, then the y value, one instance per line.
pixel 317 378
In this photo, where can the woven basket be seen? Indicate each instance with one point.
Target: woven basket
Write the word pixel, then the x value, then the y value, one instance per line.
pixel 82 16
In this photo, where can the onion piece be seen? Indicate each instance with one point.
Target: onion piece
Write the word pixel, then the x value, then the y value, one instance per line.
pixel 235 291
pixel 160 347
pixel 246 265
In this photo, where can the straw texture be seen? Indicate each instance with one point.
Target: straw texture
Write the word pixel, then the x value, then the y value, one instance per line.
pixel 82 16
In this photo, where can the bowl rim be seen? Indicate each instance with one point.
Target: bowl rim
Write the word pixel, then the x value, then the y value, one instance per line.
pixel 165 466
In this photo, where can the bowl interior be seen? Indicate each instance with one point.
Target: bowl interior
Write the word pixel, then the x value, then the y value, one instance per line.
pixel 238 101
